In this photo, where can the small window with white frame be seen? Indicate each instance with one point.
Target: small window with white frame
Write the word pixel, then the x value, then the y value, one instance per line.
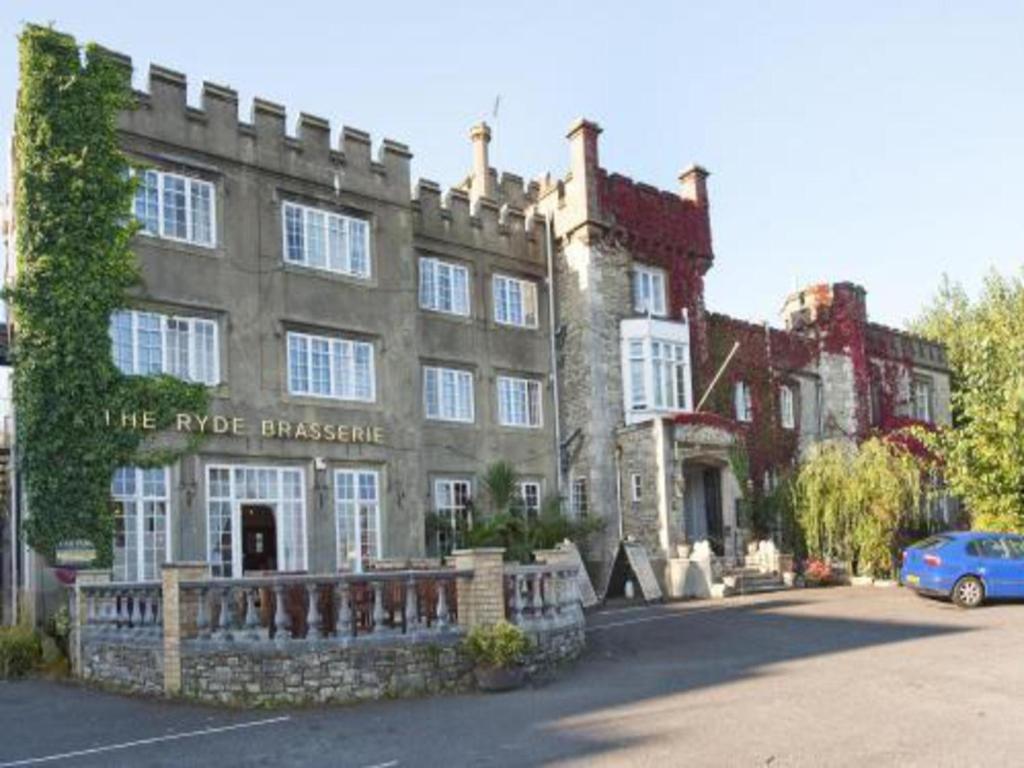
pixel 146 343
pixel 444 287
pixel 649 291
pixel 922 399
pixel 579 503
pixel 176 207
pixel 325 366
pixel 453 507
pixel 787 407
pixel 742 402
pixel 515 302
pixel 529 497
pixel 519 402
pixel 448 394
pixel 636 483
pixel 325 240
pixel 142 530
pixel 357 517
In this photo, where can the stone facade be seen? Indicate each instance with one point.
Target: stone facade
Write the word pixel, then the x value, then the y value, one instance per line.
pixel 136 667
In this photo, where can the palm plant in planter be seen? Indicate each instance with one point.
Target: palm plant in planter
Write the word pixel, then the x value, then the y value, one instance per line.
pixel 498 652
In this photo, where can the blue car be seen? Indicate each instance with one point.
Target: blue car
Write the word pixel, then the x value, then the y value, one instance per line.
pixel 967 567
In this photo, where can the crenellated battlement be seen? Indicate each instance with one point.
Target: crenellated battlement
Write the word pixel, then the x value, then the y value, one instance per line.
pixel 162 115
pixel 503 227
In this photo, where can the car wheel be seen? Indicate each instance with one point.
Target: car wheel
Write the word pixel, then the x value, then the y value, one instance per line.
pixel 968 592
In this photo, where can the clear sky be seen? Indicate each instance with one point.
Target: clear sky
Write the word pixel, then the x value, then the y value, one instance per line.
pixel 876 142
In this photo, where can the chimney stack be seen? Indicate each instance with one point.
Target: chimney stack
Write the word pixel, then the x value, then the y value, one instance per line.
pixel 481 184
pixel 693 185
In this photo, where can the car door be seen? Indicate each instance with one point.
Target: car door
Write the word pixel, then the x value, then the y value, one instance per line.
pixel 1015 567
pixel 991 561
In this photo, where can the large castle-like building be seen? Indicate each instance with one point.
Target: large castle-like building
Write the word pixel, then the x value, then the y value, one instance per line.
pixel 372 345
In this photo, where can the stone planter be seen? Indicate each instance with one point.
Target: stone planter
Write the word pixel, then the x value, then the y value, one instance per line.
pixel 789 578
pixel 498 679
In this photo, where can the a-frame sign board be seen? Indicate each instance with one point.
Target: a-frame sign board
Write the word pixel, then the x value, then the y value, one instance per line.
pixel 636 556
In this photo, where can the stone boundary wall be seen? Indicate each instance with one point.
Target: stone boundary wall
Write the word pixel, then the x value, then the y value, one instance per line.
pixel 311 673
pixel 136 667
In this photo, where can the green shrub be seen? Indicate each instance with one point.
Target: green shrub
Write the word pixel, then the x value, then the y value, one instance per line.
pixel 20 651
pixel 500 645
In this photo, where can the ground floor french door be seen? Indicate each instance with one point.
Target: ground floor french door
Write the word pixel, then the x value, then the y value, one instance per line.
pixel 273 500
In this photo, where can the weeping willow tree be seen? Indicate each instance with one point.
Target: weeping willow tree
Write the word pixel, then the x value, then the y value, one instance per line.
pixel 855 504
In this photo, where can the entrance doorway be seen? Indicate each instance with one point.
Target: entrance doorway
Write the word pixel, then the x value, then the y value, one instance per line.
pixel 259 538
pixel 702 500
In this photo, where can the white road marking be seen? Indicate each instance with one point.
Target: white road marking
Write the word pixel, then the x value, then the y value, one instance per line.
pixel 144 742
pixel 659 617
pixel 389 764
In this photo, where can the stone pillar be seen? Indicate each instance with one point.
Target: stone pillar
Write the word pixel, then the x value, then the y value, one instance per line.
pixel 178 613
pixel 480 182
pixel 481 597
pixel 79 612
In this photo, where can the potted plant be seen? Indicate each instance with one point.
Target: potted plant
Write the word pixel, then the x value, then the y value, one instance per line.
pixel 498 652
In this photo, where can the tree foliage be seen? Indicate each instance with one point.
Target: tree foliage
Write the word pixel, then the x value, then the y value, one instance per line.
pixel 74 268
pixel 983 455
pixel 855 504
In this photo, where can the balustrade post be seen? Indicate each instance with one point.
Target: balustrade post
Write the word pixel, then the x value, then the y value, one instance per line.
pixel 344 627
pixel 123 615
pixel 442 605
pixel 135 616
pixel 412 612
pixel 313 619
pixel 280 615
pixel 517 599
pixel 252 619
pixel 537 602
pixel 548 584
pixel 156 617
pixel 378 607
pixel 88 607
pixel 225 620
pixel 203 613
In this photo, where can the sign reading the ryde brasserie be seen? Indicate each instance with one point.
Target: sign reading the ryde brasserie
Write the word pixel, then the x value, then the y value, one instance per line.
pixel 194 423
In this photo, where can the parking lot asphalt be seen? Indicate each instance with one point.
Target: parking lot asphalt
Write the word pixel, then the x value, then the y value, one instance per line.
pixel 835 677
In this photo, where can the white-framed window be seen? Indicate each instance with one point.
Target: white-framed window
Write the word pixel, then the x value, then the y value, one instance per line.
pixel 636 484
pixel 324 366
pixel 787 407
pixel 519 402
pixel 659 375
pixel 448 394
pixel 444 287
pixel 283 489
pixel 515 301
pixel 357 516
pixel 742 402
pixel 321 239
pixel 149 342
pixel 176 207
pixel 142 529
pixel 922 400
pixel 529 497
pixel 454 508
pixel 649 291
pixel 579 503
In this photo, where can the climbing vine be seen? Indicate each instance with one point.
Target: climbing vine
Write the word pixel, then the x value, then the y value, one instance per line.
pixel 74 268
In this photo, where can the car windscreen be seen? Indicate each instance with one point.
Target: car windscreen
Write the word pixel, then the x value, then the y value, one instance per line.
pixel 932 542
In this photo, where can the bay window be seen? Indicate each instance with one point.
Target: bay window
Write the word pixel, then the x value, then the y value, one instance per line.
pixel 175 207
pixel 518 402
pixel 515 302
pixel 448 394
pixel 325 240
pixel 444 287
pixel 656 367
pixel 322 366
pixel 147 343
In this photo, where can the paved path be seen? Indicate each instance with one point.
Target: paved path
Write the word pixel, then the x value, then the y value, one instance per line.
pixel 858 677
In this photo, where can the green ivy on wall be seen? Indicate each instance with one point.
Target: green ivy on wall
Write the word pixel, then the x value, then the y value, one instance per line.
pixel 72 241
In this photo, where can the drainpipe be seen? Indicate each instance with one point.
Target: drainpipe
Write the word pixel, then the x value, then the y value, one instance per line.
pixel 559 480
pixel 618 492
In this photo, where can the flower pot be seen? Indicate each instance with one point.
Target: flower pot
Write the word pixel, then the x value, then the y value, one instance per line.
pixel 789 578
pixel 497 679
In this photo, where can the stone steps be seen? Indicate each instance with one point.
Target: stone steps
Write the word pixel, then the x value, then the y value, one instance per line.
pixel 749 581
